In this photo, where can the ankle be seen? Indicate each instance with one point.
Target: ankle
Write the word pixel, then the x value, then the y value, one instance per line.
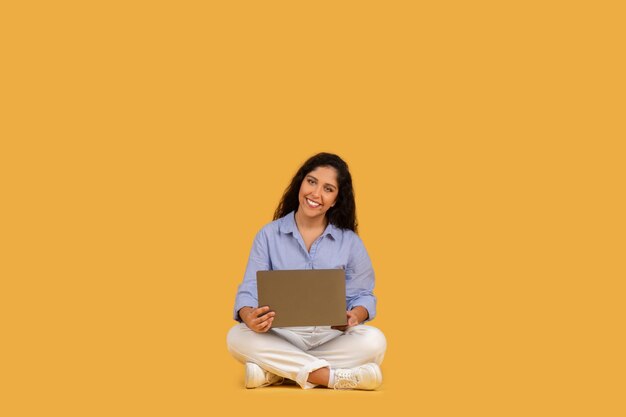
pixel 320 376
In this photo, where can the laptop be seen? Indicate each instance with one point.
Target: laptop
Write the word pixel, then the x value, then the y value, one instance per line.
pixel 307 297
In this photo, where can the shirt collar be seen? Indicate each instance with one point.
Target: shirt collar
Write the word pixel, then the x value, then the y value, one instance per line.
pixel 288 225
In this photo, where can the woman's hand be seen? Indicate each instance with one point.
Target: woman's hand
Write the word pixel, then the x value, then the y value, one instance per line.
pixel 257 319
pixel 355 316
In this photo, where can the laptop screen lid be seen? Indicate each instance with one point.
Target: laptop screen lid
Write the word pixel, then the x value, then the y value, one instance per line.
pixel 307 297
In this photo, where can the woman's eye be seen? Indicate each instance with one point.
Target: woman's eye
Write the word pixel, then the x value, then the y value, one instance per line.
pixel 328 190
pixel 311 181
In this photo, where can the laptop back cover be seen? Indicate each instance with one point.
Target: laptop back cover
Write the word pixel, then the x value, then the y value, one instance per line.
pixel 311 297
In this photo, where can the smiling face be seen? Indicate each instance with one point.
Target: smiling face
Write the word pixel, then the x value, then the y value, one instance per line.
pixel 318 191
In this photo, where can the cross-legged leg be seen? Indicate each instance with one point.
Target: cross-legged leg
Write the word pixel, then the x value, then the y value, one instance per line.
pixel 357 346
pixel 273 353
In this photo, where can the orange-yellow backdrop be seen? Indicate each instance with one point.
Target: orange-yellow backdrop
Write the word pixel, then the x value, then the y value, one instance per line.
pixel 143 144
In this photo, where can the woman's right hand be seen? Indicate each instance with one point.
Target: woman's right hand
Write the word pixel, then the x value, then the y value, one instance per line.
pixel 257 319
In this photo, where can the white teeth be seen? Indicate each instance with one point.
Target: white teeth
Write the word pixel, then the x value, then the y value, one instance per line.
pixel 313 203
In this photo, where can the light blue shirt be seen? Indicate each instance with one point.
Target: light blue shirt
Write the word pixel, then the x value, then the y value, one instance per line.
pixel 279 245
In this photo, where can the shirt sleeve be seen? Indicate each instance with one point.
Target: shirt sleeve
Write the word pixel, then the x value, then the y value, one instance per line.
pixel 360 280
pixel 257 261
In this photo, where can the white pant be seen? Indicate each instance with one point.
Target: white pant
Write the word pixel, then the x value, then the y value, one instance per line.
pixel 294 352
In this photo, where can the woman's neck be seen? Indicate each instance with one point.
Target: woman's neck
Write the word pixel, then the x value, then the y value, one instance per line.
pixel 307 223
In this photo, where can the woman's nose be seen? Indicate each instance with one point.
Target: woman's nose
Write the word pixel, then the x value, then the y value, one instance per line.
pixel 316 191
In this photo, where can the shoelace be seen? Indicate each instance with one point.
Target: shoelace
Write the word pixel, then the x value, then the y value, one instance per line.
pixel 345 379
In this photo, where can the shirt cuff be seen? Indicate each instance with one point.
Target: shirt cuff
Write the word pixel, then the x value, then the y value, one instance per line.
pixel 368 304
pixel 243 302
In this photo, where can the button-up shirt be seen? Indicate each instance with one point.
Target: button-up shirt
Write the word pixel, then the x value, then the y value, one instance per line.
pixel 279 245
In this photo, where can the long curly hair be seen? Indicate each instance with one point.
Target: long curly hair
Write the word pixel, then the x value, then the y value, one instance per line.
pixel 343 213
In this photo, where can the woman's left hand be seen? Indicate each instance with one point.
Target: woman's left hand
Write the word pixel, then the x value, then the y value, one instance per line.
pixel 355 316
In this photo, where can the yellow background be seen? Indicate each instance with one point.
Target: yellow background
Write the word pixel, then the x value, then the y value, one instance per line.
pixel 144 144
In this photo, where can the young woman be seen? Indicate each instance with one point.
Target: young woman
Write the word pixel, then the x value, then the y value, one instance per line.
pixel 314 227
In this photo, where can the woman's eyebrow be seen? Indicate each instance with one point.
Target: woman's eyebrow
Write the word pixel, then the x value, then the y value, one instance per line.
pixel 311 176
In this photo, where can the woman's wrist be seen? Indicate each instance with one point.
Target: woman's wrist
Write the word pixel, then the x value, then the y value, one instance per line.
pixel 243 311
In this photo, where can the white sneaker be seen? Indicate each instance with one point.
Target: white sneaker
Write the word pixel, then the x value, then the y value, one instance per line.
pixel 366 377
pixel 258 377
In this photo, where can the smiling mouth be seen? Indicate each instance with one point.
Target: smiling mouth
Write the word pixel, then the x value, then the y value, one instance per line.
pixel 312 203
